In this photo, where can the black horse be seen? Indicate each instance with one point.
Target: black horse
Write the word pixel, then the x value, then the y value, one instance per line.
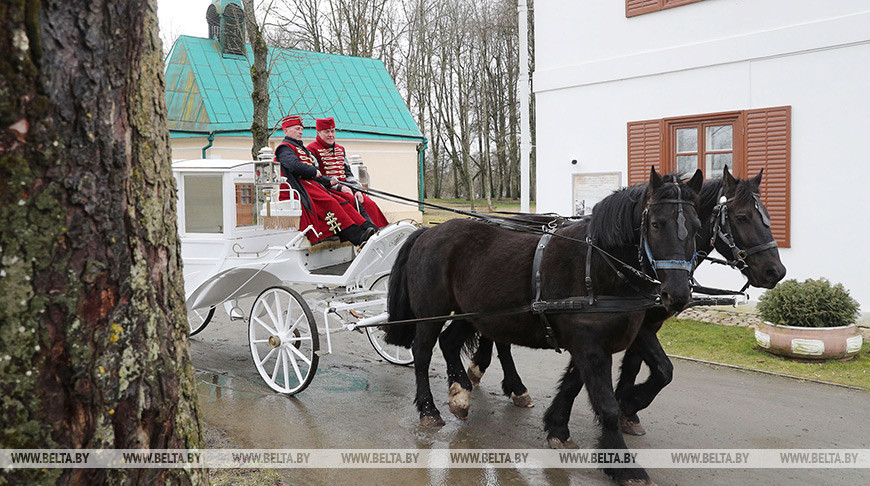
pixel 467 266
pixel 739 229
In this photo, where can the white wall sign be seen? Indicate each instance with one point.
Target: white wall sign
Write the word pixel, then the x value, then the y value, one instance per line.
pixel 589 189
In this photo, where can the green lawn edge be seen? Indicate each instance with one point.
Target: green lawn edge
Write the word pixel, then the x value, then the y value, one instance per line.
pixel 736 346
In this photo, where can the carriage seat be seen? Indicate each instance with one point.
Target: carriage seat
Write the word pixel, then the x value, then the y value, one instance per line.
pixel 282 214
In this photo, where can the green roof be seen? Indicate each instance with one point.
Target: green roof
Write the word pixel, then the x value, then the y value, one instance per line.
pixel 209 91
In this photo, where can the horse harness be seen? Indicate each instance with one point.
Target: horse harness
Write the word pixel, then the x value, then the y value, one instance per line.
pixel 607 304
pixel 722 230
pixel 592 303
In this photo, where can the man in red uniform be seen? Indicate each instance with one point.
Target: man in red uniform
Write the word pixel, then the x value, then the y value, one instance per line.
pixel 333 163
pixel 328 215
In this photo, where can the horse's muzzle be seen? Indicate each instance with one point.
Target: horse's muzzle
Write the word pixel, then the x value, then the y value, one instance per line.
pixel 676 293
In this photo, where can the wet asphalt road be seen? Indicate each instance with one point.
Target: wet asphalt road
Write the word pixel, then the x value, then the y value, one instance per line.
pixel 358 400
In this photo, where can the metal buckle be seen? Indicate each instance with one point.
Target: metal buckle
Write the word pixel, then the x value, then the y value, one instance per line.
pixel 539 306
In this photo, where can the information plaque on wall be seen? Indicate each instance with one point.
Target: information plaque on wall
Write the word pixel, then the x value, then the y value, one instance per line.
pixel 589 189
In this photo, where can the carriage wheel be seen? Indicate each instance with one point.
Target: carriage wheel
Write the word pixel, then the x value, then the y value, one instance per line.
pixel 394 354
pixel 284 340
pixel 198 319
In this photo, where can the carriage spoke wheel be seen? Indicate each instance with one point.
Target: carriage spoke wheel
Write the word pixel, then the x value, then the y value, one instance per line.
pixel 390 352
pixel 198 319
pixel 284 341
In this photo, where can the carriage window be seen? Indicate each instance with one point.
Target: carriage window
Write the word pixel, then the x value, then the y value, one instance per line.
pixel 244 204
pixel 203 203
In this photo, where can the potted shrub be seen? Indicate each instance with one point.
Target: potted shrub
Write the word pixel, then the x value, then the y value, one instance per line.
pixel 811 319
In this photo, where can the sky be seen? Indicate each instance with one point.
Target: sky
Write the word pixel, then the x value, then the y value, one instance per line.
pixel 182 17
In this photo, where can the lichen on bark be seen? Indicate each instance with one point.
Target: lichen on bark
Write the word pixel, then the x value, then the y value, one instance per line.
pixel 93 336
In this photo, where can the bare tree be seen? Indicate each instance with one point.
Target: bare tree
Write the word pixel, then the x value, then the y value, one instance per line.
pixel 94 348
pixel 260 128
pixel 168 37
pixel 456 64
pixel 301 23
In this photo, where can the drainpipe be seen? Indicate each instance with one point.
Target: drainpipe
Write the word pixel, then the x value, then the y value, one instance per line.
pixel 421 160
pixel 525 94
pixel 210 142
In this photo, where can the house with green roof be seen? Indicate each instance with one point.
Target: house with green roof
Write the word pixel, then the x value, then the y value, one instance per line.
pixel 208 96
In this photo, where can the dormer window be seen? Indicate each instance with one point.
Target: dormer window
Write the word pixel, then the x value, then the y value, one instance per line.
pixel 214 22
pixel 233 30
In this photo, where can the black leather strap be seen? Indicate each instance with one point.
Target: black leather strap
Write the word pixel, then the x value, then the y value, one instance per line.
pixel 536 285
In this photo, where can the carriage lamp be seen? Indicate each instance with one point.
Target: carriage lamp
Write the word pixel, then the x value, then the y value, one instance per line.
pixel 359 169
pixel 268 178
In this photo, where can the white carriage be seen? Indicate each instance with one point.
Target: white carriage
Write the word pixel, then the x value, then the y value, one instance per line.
pixel 238 241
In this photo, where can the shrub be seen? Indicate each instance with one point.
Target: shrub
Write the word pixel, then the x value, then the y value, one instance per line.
pixel 812 303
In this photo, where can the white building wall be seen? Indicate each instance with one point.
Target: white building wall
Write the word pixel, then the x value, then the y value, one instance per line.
pixel 597 70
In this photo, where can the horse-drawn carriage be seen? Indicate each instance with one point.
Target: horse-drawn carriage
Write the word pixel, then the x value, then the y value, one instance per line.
pixel 239 241
pixel 603 284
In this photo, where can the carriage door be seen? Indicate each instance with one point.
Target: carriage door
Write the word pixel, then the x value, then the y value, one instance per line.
pixel 244 204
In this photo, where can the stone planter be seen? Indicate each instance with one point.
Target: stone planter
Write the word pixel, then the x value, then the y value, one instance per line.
pixel 809 342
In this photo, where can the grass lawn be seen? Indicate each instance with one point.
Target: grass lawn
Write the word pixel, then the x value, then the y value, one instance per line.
pixel 440 215
pixel 735 345
pixel 480 204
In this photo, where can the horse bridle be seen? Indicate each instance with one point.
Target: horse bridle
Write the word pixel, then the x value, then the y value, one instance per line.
pixel 682 233
pixel 722 230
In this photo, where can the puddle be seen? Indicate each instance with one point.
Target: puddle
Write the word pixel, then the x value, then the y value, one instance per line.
pixel 336 381
pixel 220 387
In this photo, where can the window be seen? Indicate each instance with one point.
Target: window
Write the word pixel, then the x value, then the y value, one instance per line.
pixel 203 204
pixel 244 204
pixel 214 22
pixel 745 141
pixel 640 7
pixel 707 143
pixel 233 30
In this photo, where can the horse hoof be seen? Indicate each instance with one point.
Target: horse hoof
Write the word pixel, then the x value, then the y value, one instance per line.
pixel 459 401
pixel 555 443
pixel 474 374
pixel 630 427
pixel 523 401
pixel 431 421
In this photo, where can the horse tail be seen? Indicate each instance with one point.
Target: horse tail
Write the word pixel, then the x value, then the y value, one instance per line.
pixel 398 300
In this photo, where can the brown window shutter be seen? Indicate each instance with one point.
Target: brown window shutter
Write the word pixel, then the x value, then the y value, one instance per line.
pixel 644 149
pixel 768 147
pixel 638 7
pixel 676 3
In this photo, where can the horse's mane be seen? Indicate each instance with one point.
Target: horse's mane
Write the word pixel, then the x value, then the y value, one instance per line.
pixel 617 218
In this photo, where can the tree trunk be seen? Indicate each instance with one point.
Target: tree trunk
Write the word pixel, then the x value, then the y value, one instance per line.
pixel 260 128
pixel 94 337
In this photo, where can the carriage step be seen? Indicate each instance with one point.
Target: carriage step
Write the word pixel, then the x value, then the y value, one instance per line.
pixel 338 269
pixel 321 352
pixel 236 314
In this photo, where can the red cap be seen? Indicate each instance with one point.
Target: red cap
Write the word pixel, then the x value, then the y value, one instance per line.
pixel 325 123
pixel 291 120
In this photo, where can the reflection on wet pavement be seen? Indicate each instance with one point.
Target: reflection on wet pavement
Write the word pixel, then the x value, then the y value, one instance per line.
pixel 359 401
